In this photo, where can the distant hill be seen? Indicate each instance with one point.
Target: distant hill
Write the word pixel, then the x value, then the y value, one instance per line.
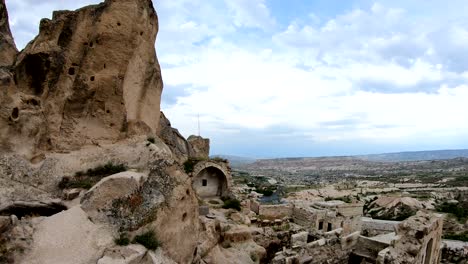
pixel 417 155
pixel 236 160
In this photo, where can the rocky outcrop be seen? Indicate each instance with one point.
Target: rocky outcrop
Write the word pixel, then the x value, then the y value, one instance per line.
pixel 181 149
pixel 418 240
pixel 8 49
pixel 394 208
pixel 201 147
pixel 90 76
pixel 86 92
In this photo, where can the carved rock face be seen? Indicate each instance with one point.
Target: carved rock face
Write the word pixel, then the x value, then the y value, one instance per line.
pixel 90 76
pixel 8 49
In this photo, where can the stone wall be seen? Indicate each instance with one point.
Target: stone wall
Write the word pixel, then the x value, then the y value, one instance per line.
pixel 276 211
pixel 454 251
pixel 374 227
pixel 347 217
pixel 334 248
pixel 419 241
pixel 218 176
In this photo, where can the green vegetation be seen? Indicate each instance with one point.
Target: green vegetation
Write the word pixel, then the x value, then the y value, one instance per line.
pixel 461 236
pixel 253 256
pixel 266 191
pixel 148 240
pixel 123 240
pixel 346 199
pixel 219 159
pixel 454 209
pixel 232 203
pixel 213 202
pixel 189 165
pixel 284 227
pixel 89 178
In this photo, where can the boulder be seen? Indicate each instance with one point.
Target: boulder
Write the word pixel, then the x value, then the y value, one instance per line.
pixel 71 194
pixel 105 193
pixel 68 238
pixel 299 239
pixel 131 254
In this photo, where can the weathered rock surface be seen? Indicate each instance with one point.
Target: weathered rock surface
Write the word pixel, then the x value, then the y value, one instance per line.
pixel 181 149
pixel 90 76
pixel 418 241
pixel 68 237
pixel 22 180
pixel 201 147
pixel 394 208
pixel 102 195
pixel 8 49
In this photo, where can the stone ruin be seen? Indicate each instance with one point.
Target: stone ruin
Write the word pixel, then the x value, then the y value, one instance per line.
pixel 330 232
pixel 212 179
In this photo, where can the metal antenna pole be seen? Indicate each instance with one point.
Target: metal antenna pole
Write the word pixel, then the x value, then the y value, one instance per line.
pixel 198 124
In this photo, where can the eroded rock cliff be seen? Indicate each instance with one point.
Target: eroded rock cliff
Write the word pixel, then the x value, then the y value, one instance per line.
pixel 90 76
pixel 84 93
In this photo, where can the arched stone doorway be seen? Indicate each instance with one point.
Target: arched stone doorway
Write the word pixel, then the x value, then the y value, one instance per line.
pixel 210 182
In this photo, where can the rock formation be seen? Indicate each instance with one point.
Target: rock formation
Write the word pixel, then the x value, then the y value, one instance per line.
pixel 90 76
pixel 394 208
pixel 201 146
pixel 8 49
pixel 85 92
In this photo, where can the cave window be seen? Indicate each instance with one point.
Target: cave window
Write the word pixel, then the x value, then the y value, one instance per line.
pixel 15 113
pixel 184 216
pixel 204 182
pixel 320 225
pixel 91 44
pixel 92 78
pixel 118 24
pixel 71 71
pixel 329 227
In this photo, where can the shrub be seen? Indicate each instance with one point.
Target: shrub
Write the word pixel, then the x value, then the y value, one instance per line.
pixel 190 164
pixel 106 170
pixel 458 211
pixel 148 240
pixel 462 236
pixel 123 240
pixel 213 202
pixel 68 183
pixel 151 140
pixel 88 179
pixel 219 159
pixel 232 203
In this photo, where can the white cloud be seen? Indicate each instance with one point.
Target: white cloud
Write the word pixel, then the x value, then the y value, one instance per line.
pixel 250 13
pixel 375 74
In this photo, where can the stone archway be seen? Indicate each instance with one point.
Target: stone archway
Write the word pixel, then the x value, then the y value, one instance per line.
pixel 211 179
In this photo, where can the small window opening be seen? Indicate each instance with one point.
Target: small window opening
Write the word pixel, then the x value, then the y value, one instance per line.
pixel 320 225
pixel 204 182
pixel 329 227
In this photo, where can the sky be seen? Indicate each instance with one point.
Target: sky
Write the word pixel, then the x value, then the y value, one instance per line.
pixel 275 78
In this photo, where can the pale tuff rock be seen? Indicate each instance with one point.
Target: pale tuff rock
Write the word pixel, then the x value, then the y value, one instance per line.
pixel 8 49
pixel 201 146
pixel 90 76
pixel 68 237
